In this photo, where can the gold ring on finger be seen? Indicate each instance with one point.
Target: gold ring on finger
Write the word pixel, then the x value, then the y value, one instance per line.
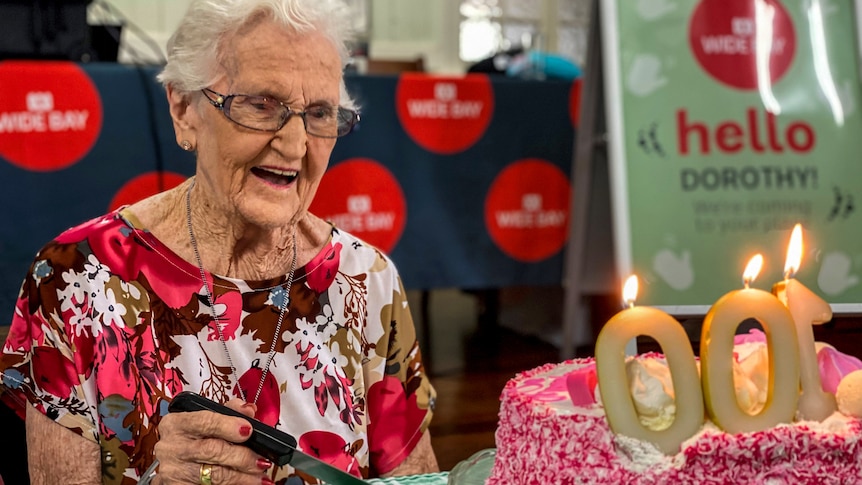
pixel 206 474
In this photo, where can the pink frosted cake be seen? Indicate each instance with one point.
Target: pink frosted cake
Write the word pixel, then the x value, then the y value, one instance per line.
pixel 552 430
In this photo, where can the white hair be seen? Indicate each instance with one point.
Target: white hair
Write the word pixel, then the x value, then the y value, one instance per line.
pixel 194 49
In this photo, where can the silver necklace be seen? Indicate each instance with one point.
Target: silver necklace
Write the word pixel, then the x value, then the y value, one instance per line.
pixel 211 301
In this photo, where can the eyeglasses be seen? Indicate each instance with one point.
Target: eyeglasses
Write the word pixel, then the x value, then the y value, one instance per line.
pixel 268 114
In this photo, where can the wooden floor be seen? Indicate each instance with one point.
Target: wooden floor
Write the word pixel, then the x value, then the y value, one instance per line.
pixel 468 400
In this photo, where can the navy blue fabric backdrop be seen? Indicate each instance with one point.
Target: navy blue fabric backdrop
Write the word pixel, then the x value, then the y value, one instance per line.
pixel 444 243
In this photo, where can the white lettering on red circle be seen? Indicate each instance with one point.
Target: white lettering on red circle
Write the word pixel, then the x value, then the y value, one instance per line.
pixel 444 115
pixel 362 197
pixel 743 43
pixel 527 210
pixel 50 114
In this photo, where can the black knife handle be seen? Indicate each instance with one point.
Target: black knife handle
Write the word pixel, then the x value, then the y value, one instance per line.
pixel 274 445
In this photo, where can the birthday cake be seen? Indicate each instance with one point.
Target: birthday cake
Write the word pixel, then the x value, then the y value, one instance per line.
pixel 553 429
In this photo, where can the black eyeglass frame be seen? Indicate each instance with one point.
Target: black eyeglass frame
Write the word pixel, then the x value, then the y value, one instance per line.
pixel 223 103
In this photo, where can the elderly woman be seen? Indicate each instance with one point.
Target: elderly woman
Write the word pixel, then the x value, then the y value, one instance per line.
pixel 226 286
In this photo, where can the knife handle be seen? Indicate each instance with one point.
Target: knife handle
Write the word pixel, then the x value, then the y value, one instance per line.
pixel 274 445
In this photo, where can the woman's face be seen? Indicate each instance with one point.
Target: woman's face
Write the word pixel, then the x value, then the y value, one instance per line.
pixel 264 178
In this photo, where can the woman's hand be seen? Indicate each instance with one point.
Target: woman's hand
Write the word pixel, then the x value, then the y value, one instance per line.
pixel 192 444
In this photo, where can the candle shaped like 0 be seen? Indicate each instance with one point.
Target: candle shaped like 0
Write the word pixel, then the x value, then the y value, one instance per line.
pixel 614 384
pixel 716 357
pixel 807 309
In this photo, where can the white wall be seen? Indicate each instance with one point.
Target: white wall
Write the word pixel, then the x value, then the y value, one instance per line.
pixel 396 29
pixel 147 25
pixel 407 29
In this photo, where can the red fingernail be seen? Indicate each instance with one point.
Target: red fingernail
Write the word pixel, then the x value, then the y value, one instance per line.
pixel 245 430
pixel 266 481
pixel 263 463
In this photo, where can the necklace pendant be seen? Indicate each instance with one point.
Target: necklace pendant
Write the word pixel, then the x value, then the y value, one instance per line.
pixel 280 297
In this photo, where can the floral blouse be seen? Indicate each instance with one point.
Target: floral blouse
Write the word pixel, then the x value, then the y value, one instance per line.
pixel 111 324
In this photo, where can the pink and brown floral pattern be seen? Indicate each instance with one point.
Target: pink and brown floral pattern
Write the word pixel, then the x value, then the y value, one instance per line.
pixel 110 324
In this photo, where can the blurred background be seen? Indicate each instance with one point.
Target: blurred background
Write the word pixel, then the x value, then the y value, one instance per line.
pixel 440 37
pixel 448 35
pixel 489 299
pixel 476 333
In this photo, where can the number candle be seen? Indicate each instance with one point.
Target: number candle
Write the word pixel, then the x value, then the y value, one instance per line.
pixel 716 354
pixel 807 309
pixel 613 380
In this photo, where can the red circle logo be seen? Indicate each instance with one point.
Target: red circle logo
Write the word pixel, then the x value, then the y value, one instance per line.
pixel 143 186
pixel 363 198
pixel 50 114
pixel 444 115
pixel 734 40
pixel 527 210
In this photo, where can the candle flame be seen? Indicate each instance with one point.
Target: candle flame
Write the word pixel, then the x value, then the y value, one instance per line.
pixel 752 269
pixel 794 252
pixel 630 291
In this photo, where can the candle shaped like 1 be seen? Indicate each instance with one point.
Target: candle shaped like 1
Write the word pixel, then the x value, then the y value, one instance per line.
pixel 716 357
pixel 807 310
pixel 613 380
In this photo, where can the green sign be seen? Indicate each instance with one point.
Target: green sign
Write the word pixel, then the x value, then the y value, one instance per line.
pixel 730 121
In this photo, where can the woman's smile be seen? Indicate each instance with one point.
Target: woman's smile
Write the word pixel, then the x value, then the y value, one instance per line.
pixel 275 176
